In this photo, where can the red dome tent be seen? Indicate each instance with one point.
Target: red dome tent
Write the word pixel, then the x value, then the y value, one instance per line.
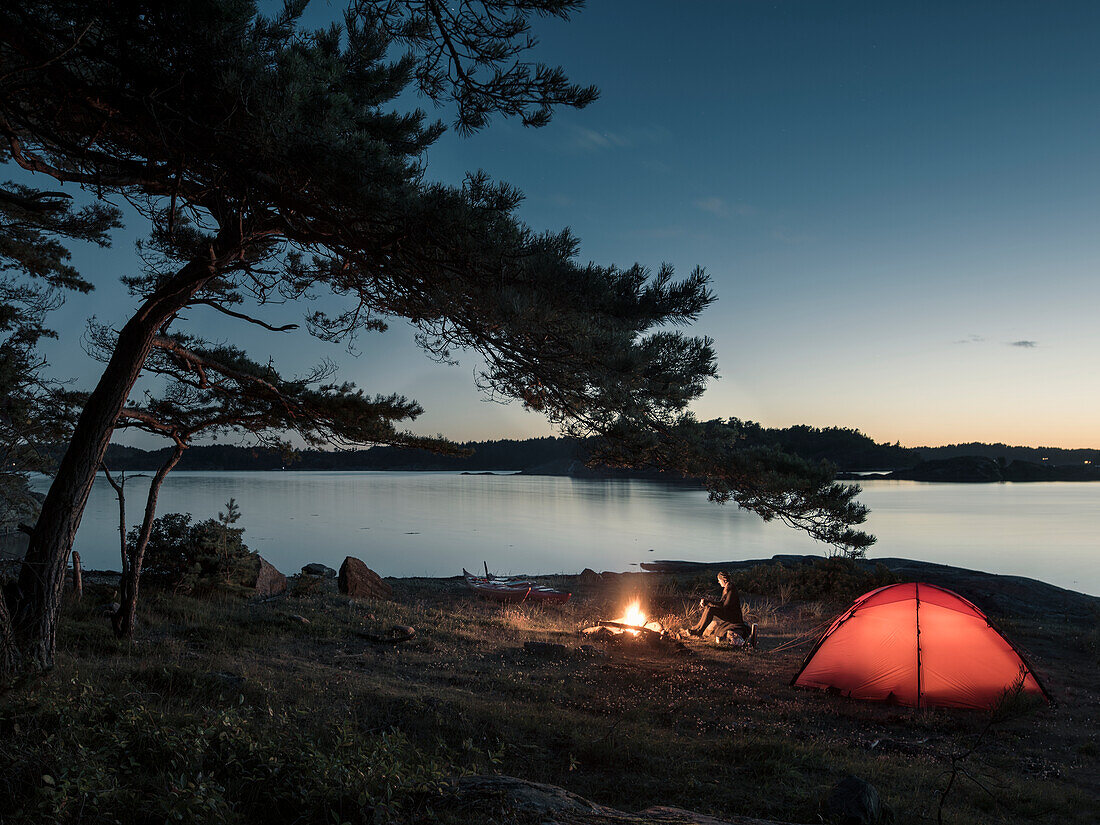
pixel 917 645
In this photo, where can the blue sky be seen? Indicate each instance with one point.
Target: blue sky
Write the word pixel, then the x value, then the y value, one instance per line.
pixel 897 204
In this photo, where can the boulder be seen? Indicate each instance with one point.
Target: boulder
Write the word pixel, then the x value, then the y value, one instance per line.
pixel 317 569
pixel 269 581
pixel 360 582
pixel 853 801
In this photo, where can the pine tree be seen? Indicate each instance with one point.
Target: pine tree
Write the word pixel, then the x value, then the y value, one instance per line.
pixel 271 162
pixel 226 521
pixel 34 410
pixel 34 277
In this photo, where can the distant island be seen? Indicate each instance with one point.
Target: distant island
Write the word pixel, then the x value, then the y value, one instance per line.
pixel 855 455
pixel 974 469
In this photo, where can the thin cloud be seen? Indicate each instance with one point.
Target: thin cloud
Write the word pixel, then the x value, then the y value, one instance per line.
pixel 592 141
pixel 601 140
pixel 971 339
pixel 1025 344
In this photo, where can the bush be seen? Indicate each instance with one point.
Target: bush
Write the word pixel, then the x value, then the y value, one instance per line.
pixel 168 555
pixel 186 557
pixel 80 755
pixel 828 580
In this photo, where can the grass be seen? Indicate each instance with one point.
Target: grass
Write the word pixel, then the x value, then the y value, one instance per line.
pixel 235 711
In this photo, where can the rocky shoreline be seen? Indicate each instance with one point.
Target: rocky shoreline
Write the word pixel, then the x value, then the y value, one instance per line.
pixel 995 593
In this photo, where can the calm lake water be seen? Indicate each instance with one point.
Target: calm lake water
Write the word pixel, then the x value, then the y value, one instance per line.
pixel 406 524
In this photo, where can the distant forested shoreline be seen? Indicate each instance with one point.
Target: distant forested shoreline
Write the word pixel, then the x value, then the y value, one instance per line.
pixel 848 449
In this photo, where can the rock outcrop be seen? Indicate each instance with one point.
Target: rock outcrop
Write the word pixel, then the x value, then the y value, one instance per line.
pixel 549 804
pixel 317 569
pixel 994 593
pixel 999 594
pixel 360 582
pixel 269 581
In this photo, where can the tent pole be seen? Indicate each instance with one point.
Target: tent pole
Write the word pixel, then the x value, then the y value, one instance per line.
pixel 916 599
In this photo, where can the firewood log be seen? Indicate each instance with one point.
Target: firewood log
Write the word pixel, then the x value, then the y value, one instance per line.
pixel 645 631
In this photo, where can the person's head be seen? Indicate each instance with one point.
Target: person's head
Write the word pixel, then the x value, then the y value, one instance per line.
pixel 723 579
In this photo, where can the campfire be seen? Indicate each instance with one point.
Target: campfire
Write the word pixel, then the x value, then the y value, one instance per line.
pixel 633 621
pixel 633 627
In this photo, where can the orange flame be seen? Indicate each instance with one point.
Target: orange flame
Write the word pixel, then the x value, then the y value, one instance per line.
pixel 633 615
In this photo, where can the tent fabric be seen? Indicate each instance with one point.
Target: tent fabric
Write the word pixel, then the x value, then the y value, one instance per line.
pixel 917 645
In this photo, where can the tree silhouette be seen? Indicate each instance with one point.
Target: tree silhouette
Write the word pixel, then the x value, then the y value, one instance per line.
pixel 34 278
pixel 272 163
pixel 216 391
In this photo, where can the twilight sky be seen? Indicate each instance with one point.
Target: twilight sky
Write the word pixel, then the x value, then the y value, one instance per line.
pixel 897 202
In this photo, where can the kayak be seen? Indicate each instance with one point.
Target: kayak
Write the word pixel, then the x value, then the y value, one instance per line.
pixel 513 589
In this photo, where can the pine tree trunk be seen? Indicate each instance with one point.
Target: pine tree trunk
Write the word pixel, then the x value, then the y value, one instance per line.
pixel 123 620
pixel 42 574
pixel 32 631
pixel 78 578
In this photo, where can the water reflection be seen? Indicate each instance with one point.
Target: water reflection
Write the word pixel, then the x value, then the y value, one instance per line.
pixel 437 523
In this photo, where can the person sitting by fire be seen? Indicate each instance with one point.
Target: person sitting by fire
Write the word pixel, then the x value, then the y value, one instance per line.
pixel 725 612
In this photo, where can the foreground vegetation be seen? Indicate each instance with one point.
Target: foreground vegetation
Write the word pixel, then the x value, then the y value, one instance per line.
pixel 241 711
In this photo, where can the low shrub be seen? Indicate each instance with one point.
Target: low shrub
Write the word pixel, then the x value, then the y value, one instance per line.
pixel 81 755
pixel 187 557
